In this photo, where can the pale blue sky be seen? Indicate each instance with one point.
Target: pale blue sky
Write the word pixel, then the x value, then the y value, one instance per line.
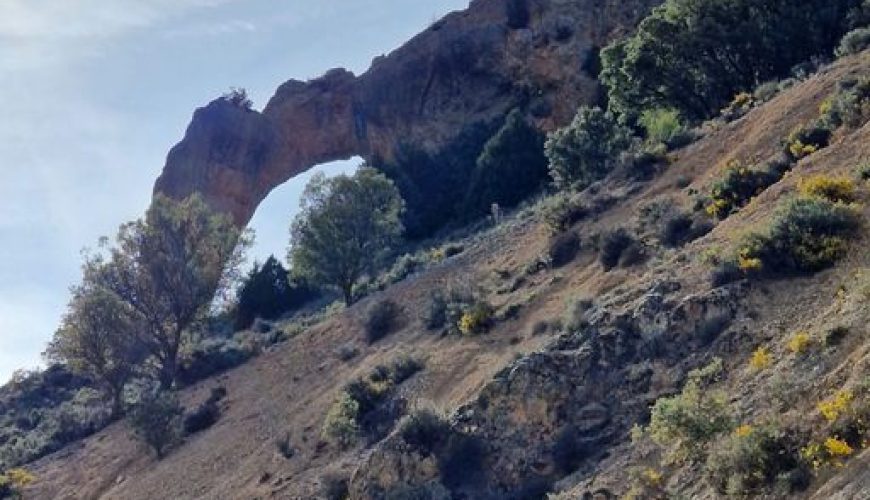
pixel 95 92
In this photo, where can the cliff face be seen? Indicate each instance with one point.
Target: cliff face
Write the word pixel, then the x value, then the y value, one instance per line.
pixel 470 67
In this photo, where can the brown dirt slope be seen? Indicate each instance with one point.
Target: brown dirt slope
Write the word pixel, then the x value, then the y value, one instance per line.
pixel 289 389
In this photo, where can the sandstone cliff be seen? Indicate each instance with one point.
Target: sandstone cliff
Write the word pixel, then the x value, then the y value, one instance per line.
pixel 470 67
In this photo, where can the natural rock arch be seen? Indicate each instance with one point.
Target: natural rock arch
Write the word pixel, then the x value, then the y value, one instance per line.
pixel 469 67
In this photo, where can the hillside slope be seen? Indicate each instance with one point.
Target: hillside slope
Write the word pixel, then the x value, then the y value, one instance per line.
pixel 516 390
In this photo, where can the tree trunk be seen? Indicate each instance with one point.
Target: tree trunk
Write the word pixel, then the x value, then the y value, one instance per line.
pixel 348 295
pixel 168 371
pixel 117 402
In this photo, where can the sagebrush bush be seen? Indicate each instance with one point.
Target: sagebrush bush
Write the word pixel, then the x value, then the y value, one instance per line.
pixel 854 41
pixel 752 459
pixel 863 171
pixel 340 426
pixel 562 211
pixel 13 480
pixel 685 423
pixel 806 235
pixel 848 106
pixel 381 319
pixel 155 419
pixel 828 187
pixel 563 248
pixel 613 244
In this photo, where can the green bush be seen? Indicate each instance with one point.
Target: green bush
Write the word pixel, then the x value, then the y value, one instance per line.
pixel 155 419
pixel 381 319
pixel 211 357
pixel 849 106
pixel 613 244
pixel 696 55
pixel 806 235
pixel 665 126
pixel 853 42
pixel 340 425
pixel 684 424
pixel 587 149
pixel 738 186
pixel 750 461
pixel 863 171
pixel 807 139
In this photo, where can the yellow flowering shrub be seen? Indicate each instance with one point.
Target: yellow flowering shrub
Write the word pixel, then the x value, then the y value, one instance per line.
pixel 760 359
pixel 743 431
pixel 475 320
pixel 837 447
pixel 799 343
pixel 832 188
pixel 832 408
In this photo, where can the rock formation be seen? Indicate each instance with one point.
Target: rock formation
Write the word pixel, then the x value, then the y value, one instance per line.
pixel 470 67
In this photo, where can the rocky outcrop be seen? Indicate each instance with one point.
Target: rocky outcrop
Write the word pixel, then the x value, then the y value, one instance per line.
pixel 561 410
pixel 470 67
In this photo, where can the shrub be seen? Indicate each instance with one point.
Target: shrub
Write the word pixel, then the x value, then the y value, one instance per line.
pixel 799 343
pixel 806 235
pixel 739 106
pixel 831 188
pixel 346 352
pixel 206 414
pixel 562 211
pixel 853 42
pixel 748 461
pixel 863 171
pixel 766 91
pixel 424 430
pixel 334 486
pixel 761 359
pixel 381 320
pixel 476 318
pixel 13 480
pixel 663 126
pixel 587 149
pixel 435 312
pixel 155 419
pixel 563 248
pixel 210 357
pixel 849 106
pixel 404 368
pixel 685 423
pixel 340 425
pixel 285 448
pixel 613 244
pixel 739 185
pixel 806 140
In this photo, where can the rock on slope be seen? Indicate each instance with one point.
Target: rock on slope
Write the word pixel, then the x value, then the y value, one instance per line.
pixel 470 67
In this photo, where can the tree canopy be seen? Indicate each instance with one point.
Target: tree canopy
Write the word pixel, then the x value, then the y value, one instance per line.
pixel 696 55
pixel 345 227
pixel 168 267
